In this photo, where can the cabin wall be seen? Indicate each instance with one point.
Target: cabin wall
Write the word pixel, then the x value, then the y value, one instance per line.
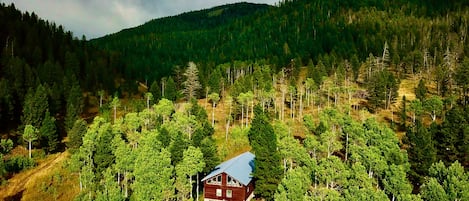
pixel 238 193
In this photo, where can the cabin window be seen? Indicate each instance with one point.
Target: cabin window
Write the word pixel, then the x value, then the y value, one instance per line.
pixel 229 193
pixel 218 192
pixel 232 182
pixel 216 180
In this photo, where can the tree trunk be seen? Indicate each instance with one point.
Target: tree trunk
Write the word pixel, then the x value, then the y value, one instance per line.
pixel 29 146
pixel 126 183
pixel 100 101
pixel 291 105
pixel 190 192
pixel 213 114
pixel 81 182
pixel 346 148
pixel 115 113
pixel 301 106
pixel 118 178
pixel 247 114
pixel 242 116
pixel 197 187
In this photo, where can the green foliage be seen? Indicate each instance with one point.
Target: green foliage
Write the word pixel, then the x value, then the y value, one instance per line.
pixel 48 133
pixel 177 147
pixel 75 135
pixel 37 60
pixel 421 151
pixel 215 81
pixel 451 137
pixel 421 90
pixel 103 157
pixel 155 90
pixel 111 189
pixel 294 186
pixel 191 164
pixel 432 190
pixel 395 182
pixel 263 140
pixel 30 134
pixel 164 137
pixel 209 151
pixel 382 89
pixel 170 90
pixel 453 181
pixel 6 146
pixel 35 106
pixel 18 163
pixel 74 106
pixel 433 106
pixel 461 78
pixel 153 174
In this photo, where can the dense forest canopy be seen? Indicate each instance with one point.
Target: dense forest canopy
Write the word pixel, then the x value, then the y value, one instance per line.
pixel 356 100
pixel 299 30
pixel 40 55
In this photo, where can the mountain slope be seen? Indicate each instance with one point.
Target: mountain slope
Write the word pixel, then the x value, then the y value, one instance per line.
pixel 154 48
pixel 300 30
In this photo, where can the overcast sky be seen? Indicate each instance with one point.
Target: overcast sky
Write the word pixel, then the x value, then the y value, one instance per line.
pixel 96 18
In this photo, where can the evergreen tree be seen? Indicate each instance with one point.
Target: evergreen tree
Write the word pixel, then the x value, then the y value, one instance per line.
pixel 35 106
pixel 214 81
pixel 74 106
pixel 421 151
pixel 170 91
pixel 155 90
pixel 382 89
pixel 103 156
pixel 75 135
pixel 48 132
pixel 164 137
pixel 177 147
pixel 192 84
pixel 209 150
pixel 268 172
pixel 421 90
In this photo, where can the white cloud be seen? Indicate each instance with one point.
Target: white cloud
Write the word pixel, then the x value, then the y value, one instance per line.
pixel 95 18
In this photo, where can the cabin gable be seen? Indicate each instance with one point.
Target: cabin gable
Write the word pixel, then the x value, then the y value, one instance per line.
pixel 231 180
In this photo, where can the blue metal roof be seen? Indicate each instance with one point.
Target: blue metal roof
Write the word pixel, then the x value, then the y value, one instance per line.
pixel 239 167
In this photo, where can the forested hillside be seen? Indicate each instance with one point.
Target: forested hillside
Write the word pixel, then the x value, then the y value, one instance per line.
pixel 44 74
pixel 299 30
pixel 338 100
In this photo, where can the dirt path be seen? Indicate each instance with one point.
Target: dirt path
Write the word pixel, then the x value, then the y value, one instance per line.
pixel 15 187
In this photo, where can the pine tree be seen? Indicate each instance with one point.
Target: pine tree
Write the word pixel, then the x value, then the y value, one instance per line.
pixel 421 151
pixel 268 172
pixel 35 106
pixel 170 91
pixel 74 106
pixel 48 132
pixel 191 84
pixel 75 135
pixel 215 80
pixel 421 90
pixel 155 90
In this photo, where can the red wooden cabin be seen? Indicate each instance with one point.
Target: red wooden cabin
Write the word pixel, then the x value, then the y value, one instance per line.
pixel 231 180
